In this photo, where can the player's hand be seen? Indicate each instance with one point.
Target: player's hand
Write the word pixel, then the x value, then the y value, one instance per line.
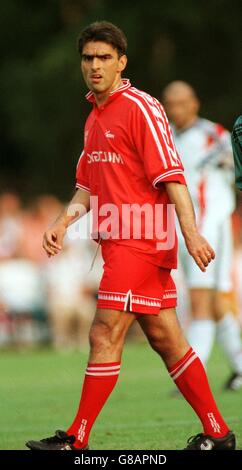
pixel 200 250
pixel 53 239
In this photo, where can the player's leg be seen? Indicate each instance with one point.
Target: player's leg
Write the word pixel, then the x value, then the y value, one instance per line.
pixel 165 336
pixel 110 325
pixel 106 338
pixel 183 295
pixel 228 328
pixel 122 272
pixel 185 368
pixel 229 338
pixel 202 328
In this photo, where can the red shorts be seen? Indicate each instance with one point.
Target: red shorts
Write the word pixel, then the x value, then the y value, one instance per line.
pixel 131 283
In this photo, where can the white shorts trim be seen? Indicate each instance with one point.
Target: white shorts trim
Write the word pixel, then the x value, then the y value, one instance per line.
pixel 130 298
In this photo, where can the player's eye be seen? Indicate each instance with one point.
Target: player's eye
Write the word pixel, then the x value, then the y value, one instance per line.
pixel 87 58
pixel 105 57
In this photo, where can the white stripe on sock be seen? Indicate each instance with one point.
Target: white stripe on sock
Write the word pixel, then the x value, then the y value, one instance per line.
pixel 102 374
pixel 182 363
pixel 103 368
pixel 192 358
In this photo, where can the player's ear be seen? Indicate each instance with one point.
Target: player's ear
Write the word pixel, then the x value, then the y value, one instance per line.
pixel 122 63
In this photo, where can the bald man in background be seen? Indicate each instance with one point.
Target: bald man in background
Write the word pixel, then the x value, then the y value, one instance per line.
pixel 206 153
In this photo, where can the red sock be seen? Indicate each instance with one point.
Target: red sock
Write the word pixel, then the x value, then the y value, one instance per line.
pixel 100 379
pixel 190 377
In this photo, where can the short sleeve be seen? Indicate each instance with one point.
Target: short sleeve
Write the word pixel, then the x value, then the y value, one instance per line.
pixel 82 173
pixel 154 142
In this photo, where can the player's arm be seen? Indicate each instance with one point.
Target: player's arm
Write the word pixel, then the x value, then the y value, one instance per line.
pixel 77 207
pixel 197 245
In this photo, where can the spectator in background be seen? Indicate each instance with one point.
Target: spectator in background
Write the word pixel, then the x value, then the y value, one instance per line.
pixel 206 153
pixel 70 287
pixel 70 302
pixel 35 295
pixel 36 218
pixel 71 291
pixel 10 224
pixel 21 287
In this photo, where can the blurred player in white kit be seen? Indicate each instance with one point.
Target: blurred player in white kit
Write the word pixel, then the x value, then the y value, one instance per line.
pixel 206 153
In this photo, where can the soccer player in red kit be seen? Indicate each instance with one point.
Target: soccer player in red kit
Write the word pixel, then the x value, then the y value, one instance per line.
pixel 129 159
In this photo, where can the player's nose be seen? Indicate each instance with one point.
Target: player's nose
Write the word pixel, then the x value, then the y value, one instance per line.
pixel 95 63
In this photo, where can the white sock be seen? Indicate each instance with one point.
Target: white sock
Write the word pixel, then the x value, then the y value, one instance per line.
pixel 201 335
pixel 228 336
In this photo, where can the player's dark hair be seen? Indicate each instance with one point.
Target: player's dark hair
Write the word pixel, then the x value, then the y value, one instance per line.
pixel 105 32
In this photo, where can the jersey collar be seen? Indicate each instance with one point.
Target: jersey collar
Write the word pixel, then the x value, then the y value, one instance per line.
pixel 114 94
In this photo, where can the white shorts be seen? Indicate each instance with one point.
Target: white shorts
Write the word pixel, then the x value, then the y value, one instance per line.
pixel 218 274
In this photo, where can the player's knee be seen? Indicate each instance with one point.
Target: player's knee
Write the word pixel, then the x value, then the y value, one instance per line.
pixel 157 342
pixel 196 310
pixel 201 303
pixel 99 336
pixel 104 337
pixel 165 344
pixel 222 305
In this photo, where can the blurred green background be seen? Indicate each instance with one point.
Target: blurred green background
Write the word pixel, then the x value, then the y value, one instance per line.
pixel 42 105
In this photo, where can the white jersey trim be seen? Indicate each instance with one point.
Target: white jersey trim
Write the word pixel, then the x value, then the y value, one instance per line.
pixel 80 158
pixel 158 112
pixel 80 186
pixel 166 175
pixel 125 84
pixel 152 128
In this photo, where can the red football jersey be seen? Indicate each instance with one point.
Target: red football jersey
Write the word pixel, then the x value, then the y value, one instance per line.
pixel 128 154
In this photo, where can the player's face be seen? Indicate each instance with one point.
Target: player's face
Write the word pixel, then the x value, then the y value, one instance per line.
pixel 181 109
pixel 101 68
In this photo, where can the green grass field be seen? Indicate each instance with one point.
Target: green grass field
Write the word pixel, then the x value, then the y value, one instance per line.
pixel 40 391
